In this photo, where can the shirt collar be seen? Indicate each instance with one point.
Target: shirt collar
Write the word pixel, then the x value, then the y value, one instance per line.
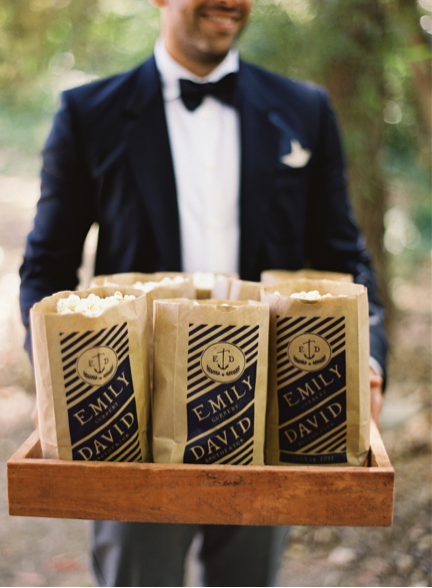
pixel 171 71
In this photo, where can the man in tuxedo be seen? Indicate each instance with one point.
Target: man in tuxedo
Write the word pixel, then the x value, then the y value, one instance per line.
pixel 195 161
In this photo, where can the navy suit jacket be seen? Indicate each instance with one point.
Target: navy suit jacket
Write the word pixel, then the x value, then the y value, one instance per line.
pixel 108 160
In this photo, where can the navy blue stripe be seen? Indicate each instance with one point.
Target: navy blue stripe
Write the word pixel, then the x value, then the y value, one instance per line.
pixel 124 354
pixel 245 336
pixel 128 445
pixel 69 365
pixel 335 349
pixel 338 447
pixel 294 331
pixel 287 318
pixel 122 328
pixel 196 329
pixel 125 344
pixel 76 379
pixel 119 342
pixel 252 357
pixel 246 344
pixel 329 336
pixel 329 442
pixel 69 374
pixel 251 349
pixel 322 323
pixel 204 334
pixel 84 389
pixel 194 366
pixel 248 445
pixel 295 322
pixel 285 379
pixel 197 355
pixel 341 433
pixel 281 364
pixel 341 338
pixel 244 456
pixel 130 451
pixel 192 385
pixel 286 371
pixel 194 374
pixel 230 337
pixel 193 392
pixel 330 327
pixel 193 357
pixel 66 339
pixel 86 344
pixel 78 340
pixel 209 339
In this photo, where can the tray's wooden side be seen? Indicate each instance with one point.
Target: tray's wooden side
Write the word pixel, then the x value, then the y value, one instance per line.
pixel 263 495
pixel 378 453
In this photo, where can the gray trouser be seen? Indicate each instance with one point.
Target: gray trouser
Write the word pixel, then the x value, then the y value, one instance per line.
pixel 153 554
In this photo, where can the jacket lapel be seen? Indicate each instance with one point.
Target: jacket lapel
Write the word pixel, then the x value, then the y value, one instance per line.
pixel 150 154
pixel 260 147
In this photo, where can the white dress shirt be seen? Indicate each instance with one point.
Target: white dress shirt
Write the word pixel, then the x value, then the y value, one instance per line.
pixel 205 146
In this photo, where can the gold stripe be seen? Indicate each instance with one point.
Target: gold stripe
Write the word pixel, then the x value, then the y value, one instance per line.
pixel 221 424
pixel 315 407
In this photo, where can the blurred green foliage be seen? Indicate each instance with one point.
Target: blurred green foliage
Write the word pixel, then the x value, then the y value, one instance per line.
pixel 372 55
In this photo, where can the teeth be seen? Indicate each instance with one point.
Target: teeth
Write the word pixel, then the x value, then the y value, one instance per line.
pixel 222 19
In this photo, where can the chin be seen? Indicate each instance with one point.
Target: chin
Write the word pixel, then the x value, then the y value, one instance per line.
pixel 216 51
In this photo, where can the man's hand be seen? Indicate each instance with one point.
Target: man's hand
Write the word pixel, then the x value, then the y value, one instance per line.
pixel 376 388
pixel 34 416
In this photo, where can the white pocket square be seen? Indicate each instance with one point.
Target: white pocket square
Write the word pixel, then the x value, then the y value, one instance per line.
pixel 298 156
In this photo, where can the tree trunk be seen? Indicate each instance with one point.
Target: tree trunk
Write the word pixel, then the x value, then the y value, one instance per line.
pixel 355 79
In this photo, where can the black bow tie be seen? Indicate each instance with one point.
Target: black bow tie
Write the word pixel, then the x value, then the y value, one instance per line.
pixel 224 90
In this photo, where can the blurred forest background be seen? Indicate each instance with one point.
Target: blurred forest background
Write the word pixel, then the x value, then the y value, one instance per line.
pixel 372 55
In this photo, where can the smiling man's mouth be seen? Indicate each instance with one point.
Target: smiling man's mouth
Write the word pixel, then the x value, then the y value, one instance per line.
pixel 222 19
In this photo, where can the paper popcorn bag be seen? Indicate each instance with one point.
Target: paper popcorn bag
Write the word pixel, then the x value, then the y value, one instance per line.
pixel 210 285
pixel 275 276
pixel 244 290
pixel 155 286
pixel 319 393
pixel 91 375
pixel 210 382
pixel 221 287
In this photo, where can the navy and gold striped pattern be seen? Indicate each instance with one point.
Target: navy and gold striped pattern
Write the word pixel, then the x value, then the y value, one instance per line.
pixel 226 432
pixel 312 405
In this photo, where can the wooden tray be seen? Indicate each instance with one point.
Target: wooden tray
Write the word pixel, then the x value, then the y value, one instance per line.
pixel 242 495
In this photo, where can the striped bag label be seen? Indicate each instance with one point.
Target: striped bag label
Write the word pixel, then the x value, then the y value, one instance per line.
pixel 311 385
pixel 221 383
pixel 100 396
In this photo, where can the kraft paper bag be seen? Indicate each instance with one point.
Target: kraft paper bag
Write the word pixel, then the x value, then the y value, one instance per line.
pixel 221 287
pixel 92 380
pixel 210 285
pixel 275 276
pixel 129 278
pixel 319 392
pixel 210 382
pixel 156 286
pixel 244 290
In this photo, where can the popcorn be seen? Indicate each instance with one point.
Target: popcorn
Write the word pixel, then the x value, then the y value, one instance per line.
pixel 203 280
pixel 148 286
pixel 312 295
pixel 92 305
